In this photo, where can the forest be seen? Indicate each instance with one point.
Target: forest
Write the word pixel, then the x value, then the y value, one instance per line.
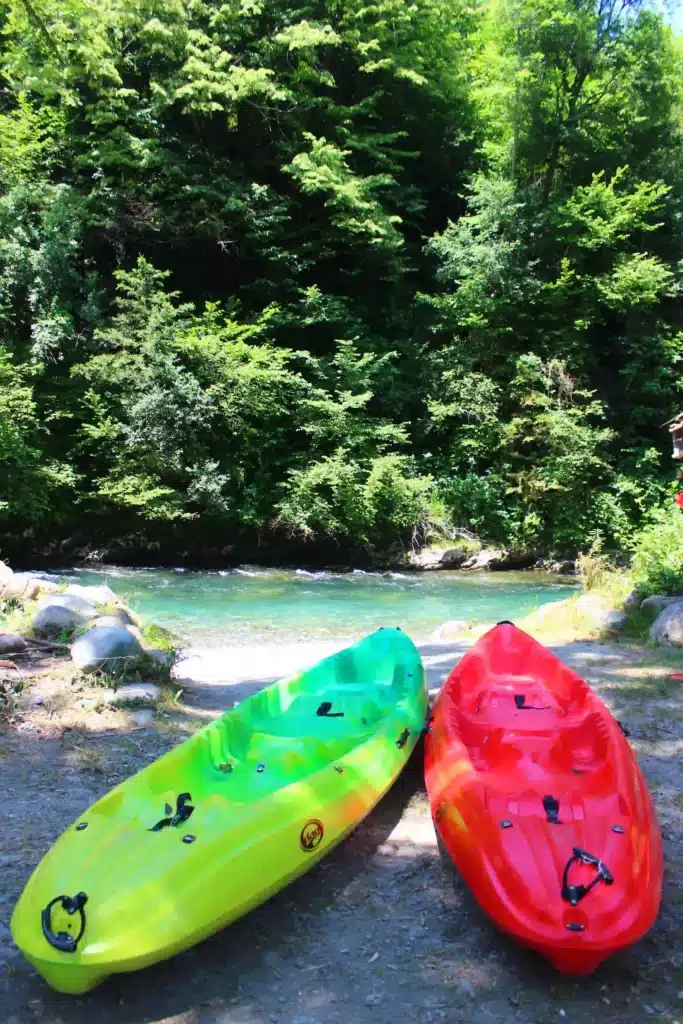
pixel 337 274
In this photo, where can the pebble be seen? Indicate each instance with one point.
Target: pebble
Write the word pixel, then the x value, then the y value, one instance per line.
pixel 374 999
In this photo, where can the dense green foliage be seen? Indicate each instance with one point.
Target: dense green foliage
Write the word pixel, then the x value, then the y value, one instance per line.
pixel 338 270
pixel 658 555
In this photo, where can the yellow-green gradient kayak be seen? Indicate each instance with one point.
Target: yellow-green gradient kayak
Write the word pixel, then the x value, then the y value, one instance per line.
pixel 226 819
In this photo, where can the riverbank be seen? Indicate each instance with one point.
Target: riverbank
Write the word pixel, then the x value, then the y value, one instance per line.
pixel 379 931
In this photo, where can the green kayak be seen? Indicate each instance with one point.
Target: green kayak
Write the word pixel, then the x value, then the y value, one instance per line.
pixel 226 819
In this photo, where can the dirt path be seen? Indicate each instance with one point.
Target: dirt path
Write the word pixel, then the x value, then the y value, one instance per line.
pixel 380 932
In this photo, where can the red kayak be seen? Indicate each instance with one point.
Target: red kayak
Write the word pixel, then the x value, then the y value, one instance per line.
pixel 540 802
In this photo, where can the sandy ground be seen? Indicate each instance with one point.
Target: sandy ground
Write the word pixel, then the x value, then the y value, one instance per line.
pixel 381 931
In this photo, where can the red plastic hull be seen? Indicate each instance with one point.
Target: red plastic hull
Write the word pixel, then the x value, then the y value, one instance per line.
pixel 490 764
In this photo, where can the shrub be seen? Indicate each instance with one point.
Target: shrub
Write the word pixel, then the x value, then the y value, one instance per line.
pixel 658 554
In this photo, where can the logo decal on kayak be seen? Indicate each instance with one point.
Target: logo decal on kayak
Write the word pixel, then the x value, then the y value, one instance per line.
pixel 311 835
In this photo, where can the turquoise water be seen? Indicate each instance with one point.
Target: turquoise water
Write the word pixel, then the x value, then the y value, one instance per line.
pixel 253 605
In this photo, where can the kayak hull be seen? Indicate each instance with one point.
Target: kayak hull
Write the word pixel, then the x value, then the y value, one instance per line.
pixel 525 765
pixel 226 819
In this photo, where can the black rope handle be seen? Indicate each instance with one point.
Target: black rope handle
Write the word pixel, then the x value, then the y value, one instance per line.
pixel 62 941
pixel 183 811
pixel 574 893
pixel 325 711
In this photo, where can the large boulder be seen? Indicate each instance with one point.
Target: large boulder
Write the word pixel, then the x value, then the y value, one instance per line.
pixel 667 629
pixel 494 560
pixel 483 560
pixel 105 647
pixel 656 603
pixel 94 595
pixel 51 618
pixel 22 586
pixel 434 558
pixel 79 605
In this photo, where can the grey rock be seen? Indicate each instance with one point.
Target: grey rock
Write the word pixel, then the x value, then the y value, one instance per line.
pixel 146 693
pixel 94 595
pixel 142 719
pixel 10 644
pixel 615 619
pixel 452 558
pixel 105 647
pixel 164 658
pixel 599 612
pixel 656 603
pixel 564 567
pixel 48 586
pixel 493 560
pixel 22 586
pixel 482 560
pixel 6 573
pixel 112 619
pixel 49 620
pixel 73 602
pixel 632 601
pixel 116 622
pixel 667 629
pixel 449 558
pixel 374 999
pixel 451 630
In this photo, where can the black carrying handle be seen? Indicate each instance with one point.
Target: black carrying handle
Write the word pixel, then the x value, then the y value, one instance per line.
pixel 183 811
pixel 574 893
pixel 62 941
pixel 325 711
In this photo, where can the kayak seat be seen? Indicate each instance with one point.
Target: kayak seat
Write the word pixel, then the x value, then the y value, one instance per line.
pixel 227 740
pixel 582 748
pixel 329 713
pixel 292 755
pixel 496 752
pixel 531 707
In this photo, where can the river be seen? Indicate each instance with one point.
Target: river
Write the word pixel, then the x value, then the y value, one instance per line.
pixel 252 605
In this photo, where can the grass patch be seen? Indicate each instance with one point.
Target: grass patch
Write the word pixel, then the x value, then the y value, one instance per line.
pixel 160 638
pixel 141 668
pixel 17 616
pixel 467 544
pixel 84 755
pixel 560 622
